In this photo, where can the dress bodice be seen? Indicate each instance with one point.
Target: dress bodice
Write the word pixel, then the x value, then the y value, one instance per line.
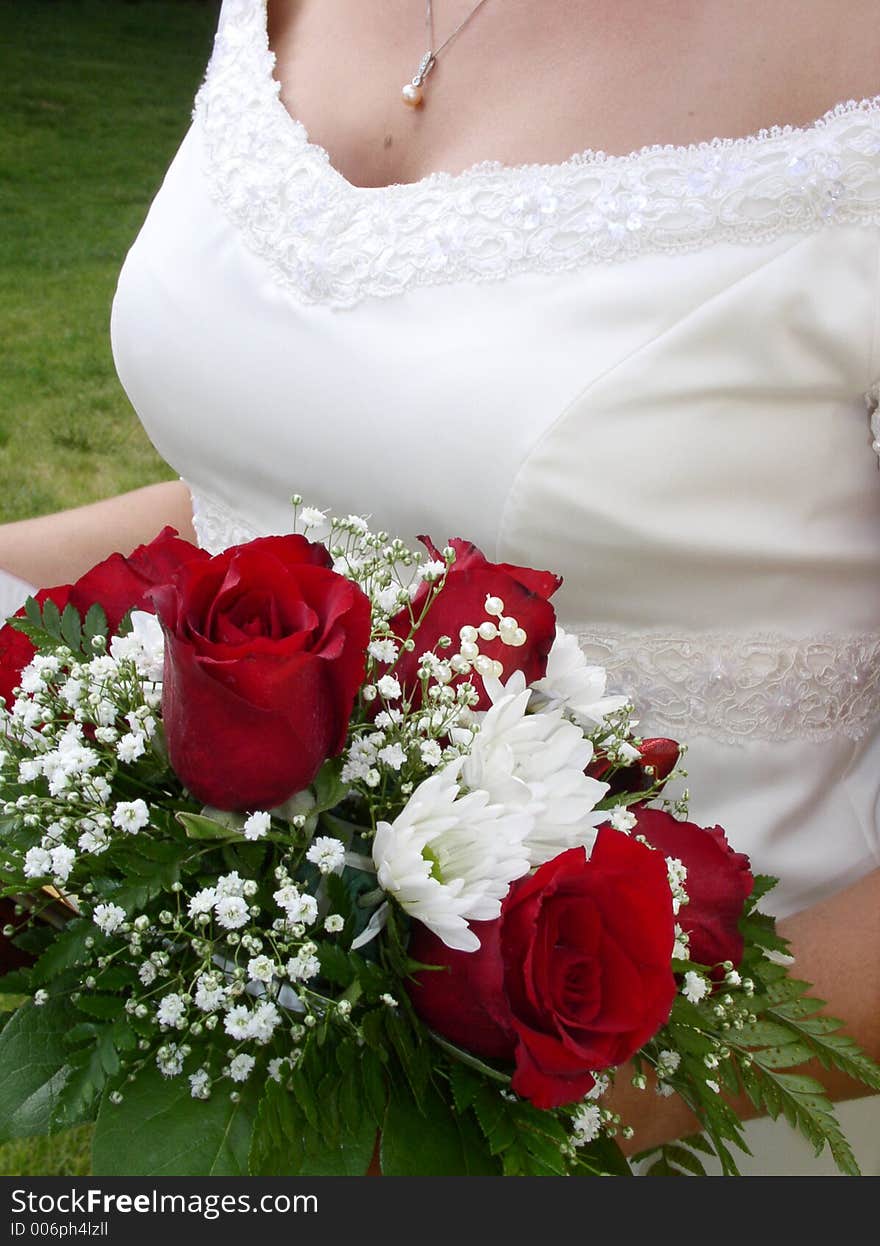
pixel 647 372
pixel 653 374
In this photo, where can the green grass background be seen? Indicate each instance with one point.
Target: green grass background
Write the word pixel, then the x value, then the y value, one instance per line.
pixel 95 96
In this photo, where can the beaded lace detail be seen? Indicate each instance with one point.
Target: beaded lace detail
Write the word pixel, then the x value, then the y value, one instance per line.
pixel 735 687
pixel 331 242
pixel 732 687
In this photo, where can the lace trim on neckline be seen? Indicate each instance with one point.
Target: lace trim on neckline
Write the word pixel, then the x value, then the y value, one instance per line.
pixel 329 241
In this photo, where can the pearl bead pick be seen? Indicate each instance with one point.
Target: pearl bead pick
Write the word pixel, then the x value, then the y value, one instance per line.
pixel 412 95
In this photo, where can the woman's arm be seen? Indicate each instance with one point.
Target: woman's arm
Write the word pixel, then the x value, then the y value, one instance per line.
pixel 836 946
pixel 58 548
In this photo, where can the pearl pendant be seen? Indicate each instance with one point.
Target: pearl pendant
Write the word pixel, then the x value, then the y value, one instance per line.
pixel 412 94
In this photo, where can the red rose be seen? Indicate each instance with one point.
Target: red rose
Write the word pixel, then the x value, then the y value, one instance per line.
pixel 264 653
pixel 719 881
pixel 118 584
pixel 657 754
pixel 121 584
pixel 573 977
pixel 16 650
pixel 462 600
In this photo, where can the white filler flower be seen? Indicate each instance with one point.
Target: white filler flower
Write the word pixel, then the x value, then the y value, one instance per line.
pixel 449 858
pixel 536 763
pixel 575 686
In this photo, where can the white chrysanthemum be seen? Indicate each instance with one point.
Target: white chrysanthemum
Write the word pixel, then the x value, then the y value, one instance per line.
pixel 572 684
pixel 144 645
pixel 536 762
pixel 449 858
pixel 327 853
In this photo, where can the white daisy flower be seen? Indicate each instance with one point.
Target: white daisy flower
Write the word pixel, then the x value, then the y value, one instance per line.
pixel 449 858
pixel 572 684
pixel 536 763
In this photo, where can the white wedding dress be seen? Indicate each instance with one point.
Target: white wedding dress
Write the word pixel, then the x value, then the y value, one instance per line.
pixel 648 373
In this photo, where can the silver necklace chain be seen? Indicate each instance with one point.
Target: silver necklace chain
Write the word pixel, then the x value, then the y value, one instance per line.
pixel 412 93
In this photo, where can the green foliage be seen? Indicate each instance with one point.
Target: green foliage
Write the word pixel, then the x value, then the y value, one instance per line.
pixel 425 1137
pixel 320 1122
pixel 33 1057
pixel 160 1130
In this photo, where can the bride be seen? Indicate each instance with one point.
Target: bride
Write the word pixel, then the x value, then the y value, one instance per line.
pixel 647 371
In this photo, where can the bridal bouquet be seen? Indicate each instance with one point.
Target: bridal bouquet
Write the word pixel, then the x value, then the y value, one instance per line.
pixel 322 840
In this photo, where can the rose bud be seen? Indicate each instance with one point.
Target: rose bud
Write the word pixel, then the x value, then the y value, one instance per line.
pixel 573 977
pixel 658 753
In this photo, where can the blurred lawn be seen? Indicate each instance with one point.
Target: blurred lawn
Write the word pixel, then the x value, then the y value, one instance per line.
pixel 95 96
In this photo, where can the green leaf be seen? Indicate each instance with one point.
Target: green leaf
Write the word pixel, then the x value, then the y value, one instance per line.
pixel 336 965
pixel 104 1007
pixel 199 827
pixel 328 786
pixel 33 613
pixel 373 1080
pixel 67 949
pixel 160 1130
pixel 285 1144
pixel 90 1067
pixel 71 628
pixel 34 1061
pixel 95 622
pixel 52 619
pixel 425 1139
